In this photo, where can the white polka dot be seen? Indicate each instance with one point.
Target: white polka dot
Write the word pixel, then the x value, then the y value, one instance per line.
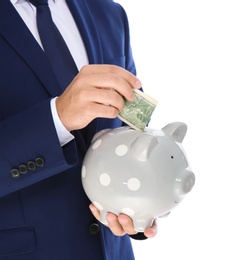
pixel 121 150
pixel 134 184
pixel 128 211
pixel 83 171
pixel 98 205
pixel 105 179
pixel 96 144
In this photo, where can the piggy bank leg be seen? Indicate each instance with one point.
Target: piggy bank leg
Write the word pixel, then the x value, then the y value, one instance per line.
pixel 141 225
pixel 103 217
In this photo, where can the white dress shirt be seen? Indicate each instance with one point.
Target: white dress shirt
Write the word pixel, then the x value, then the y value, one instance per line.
pixel 64 21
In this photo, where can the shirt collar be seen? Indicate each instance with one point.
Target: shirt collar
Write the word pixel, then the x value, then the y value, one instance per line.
pixel 20 1
pixel 14 1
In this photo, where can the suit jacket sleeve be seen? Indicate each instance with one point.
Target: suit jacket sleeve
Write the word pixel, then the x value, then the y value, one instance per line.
pixel 30 149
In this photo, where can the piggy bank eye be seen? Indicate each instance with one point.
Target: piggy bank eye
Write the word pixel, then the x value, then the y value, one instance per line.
pixel 172 157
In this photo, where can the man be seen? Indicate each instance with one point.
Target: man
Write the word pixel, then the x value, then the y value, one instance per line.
pixel 46 128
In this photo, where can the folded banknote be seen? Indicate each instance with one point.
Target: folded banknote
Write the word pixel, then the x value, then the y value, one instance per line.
pixel 137 113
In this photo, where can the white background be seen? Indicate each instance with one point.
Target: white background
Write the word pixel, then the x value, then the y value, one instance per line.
pixel 188 56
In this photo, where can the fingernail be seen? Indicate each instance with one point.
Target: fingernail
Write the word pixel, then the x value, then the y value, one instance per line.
pixel 138 83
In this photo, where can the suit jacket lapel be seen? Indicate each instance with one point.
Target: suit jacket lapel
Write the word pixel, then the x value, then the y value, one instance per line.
pixel 15 32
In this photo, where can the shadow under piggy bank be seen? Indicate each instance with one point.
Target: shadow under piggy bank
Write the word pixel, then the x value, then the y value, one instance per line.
pixel 141 174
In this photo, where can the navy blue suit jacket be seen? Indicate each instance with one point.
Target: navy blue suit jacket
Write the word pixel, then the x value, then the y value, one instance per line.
pixel 44 211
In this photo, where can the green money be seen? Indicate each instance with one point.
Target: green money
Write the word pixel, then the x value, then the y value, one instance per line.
pixel 138 112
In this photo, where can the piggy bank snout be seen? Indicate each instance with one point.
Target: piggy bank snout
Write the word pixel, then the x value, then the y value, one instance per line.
pixel 184 183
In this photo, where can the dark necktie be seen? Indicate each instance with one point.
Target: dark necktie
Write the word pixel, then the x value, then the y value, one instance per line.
pixel 54 45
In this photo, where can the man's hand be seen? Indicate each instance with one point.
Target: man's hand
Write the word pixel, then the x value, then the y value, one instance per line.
pixel 97 91
pixel 122 224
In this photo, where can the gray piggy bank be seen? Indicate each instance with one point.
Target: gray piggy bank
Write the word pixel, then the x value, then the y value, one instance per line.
pixel 141 174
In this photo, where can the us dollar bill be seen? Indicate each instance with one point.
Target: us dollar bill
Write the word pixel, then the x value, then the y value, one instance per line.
pixel 137 113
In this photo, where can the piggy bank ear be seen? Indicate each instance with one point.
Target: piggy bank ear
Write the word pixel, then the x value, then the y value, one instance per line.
pixel 142 145
pixel 176 130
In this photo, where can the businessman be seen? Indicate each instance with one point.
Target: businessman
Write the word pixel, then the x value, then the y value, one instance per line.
pixel 65 68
